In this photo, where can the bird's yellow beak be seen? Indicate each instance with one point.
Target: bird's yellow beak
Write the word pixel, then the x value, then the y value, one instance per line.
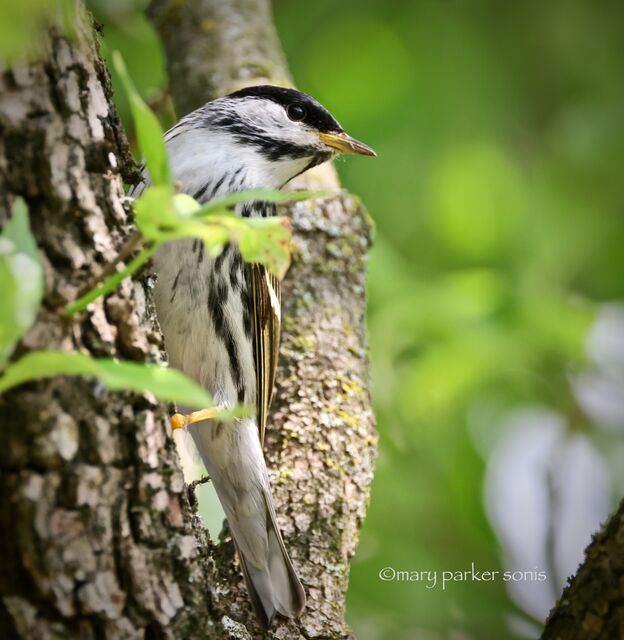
pixel 344 143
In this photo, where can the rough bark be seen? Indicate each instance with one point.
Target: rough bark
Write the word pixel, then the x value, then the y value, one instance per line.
pixel 592 605
pixel 217 46
pixel 321 439
pixel 98 533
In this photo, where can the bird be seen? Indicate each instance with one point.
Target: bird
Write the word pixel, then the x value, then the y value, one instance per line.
pixel 220 317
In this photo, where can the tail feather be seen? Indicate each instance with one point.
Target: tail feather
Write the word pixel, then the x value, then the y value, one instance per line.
pixel 259 590
pixel 275 588
pixel 290 594
pixel 234 460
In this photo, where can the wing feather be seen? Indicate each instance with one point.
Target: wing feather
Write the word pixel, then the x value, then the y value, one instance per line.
pixel 266 321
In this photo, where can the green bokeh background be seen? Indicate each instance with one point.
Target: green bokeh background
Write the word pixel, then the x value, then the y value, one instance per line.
pixel 498 198
pixel 499 201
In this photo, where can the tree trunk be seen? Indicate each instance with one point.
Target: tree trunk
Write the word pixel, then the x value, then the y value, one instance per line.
pixel 592 605
pixel 99 536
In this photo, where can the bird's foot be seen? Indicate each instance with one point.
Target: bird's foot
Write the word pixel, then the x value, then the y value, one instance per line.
pixel 181 420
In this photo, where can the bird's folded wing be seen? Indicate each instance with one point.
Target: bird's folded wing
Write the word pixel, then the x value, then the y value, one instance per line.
pixel 266 319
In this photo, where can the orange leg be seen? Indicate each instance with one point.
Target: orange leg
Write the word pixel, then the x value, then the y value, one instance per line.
pixel 181 421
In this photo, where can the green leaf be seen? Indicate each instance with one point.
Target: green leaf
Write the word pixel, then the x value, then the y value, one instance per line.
pixel 262 240
pixel 149 131
pixel 21 279
pixel 161 216
pixel 263 195
pixel 168 385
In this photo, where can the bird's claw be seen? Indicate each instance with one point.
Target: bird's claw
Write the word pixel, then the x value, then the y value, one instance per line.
pixel 181 420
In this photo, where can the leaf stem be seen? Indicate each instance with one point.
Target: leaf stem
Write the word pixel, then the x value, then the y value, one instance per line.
pixel 114 280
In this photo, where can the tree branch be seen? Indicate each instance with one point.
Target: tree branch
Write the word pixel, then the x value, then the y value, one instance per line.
pixel 592 605
pixel 217 46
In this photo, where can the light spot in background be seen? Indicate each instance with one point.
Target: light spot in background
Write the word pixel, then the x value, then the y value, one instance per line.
pixel 602 398
pixel 546 492
pixel 605 343
pixel 210 509
pixel 190 461
pixel 477 198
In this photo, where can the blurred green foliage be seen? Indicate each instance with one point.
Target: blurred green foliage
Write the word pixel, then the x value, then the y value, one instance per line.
pixel 21 25
pixel 498 201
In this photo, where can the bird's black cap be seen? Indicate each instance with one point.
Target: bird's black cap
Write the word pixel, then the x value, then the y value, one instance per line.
pixel 315 114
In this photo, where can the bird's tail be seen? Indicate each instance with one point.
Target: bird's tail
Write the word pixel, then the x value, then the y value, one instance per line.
pixel 234 460
pixel 274 588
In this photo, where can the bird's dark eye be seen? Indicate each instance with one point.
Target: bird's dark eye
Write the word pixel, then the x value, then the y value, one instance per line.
pixel 296 112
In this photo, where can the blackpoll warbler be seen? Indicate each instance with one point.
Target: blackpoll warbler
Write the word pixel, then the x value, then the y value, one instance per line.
pixel 221 317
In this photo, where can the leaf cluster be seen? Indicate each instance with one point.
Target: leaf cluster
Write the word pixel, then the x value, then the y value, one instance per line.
pixel 161 215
